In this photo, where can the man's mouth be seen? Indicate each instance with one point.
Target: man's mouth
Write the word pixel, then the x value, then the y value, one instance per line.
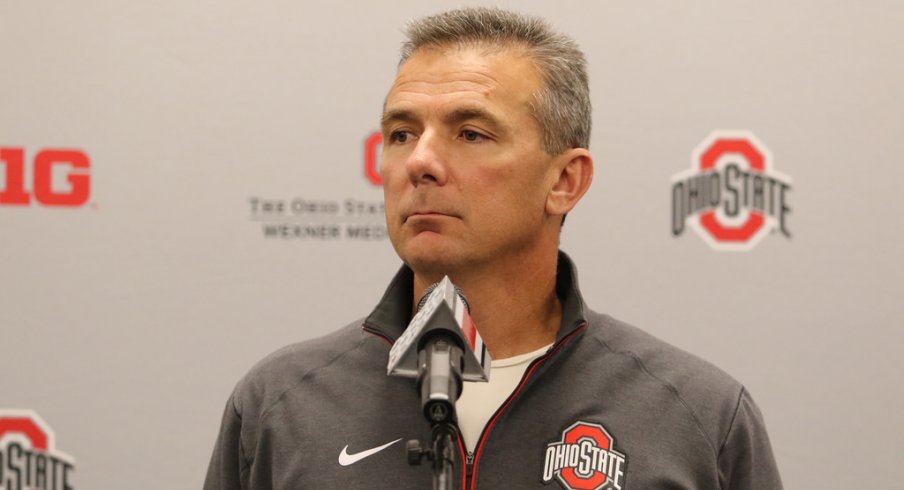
pixel 427 214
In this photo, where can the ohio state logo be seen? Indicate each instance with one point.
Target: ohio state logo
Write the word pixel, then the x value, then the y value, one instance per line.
pixel 372 146
pixel 731 196
pixel 585 459
pixel 28 455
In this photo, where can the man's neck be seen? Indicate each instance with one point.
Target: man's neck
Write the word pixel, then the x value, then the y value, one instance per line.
pixel 515 308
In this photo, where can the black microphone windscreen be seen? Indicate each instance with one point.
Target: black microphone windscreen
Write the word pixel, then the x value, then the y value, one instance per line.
pixel 430 288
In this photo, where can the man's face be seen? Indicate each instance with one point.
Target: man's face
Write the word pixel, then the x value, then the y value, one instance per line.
pixel 464 174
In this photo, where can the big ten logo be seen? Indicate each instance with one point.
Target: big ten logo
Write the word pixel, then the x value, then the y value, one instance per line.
pixel 58 178
pixel 372 158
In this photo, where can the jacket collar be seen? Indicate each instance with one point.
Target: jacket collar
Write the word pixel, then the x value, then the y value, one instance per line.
pixel 392 314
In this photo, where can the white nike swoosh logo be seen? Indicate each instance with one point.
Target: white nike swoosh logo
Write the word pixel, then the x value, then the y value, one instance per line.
pixel 346 459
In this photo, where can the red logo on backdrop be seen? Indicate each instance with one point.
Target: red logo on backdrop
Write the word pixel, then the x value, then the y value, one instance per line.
pixel 585 459
pixel 58 178
pixel 28 454
pixel 731 196
pixel 372 158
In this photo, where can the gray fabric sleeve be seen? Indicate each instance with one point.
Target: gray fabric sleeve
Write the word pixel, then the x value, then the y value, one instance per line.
pixel 228 466
pixel 746 461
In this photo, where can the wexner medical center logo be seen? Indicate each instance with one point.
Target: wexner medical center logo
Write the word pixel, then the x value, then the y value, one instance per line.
pixel 329 219
pixel 585 459
pixel 28 455
pixel 326 218
pixel 731 196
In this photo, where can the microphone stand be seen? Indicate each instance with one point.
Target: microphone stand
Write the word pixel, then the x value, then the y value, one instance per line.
pixel 439 381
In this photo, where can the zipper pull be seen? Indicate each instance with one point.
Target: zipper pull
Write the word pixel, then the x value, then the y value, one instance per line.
pixel 469 464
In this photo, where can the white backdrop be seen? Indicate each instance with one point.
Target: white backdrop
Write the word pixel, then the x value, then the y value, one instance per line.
pixel 126 320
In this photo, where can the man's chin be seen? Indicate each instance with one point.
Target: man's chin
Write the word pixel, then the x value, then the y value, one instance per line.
pixel 432 261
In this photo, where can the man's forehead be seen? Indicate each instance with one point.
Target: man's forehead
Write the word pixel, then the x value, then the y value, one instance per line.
pixel 455 68
pixel 465 71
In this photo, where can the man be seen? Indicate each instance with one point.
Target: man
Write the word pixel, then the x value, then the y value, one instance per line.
pixel 486 130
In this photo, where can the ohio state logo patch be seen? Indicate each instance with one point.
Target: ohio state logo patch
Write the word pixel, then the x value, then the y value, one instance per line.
pixel 585 459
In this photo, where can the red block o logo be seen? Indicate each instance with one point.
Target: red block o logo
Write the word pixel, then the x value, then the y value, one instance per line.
pixel 597 478
pixel 26 427
pixel 731 196
pixel 708 161
pixel 371 155
pixel 585 459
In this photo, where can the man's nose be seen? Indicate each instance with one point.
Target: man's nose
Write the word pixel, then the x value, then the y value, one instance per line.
pixel 426 163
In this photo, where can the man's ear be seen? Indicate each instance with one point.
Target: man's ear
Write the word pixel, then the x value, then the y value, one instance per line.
pixel 574 173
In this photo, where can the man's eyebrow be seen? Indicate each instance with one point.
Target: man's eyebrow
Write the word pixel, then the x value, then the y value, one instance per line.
pixel 393 115
pixel 470 114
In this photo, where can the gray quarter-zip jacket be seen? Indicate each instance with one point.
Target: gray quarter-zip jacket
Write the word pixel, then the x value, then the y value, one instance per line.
pixel 607 407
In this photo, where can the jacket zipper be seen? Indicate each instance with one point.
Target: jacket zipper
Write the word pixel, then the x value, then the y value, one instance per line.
pixel 470 470
pixel 469 463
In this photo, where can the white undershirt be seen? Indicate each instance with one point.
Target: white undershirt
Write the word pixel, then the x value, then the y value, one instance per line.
pixel 479 401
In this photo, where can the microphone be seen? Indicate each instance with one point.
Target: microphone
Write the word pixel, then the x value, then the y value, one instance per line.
pixel 440 348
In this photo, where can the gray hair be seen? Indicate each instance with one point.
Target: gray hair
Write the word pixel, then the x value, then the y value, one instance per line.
pixel 562 105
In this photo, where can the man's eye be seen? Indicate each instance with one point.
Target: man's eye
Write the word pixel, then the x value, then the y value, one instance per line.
pixel 469 135
pixel 399 136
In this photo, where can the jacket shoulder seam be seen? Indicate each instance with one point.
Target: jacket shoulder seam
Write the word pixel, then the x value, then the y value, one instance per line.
pixel 246 461
pixel 305 376
pixel 672 389
pixel 734 417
